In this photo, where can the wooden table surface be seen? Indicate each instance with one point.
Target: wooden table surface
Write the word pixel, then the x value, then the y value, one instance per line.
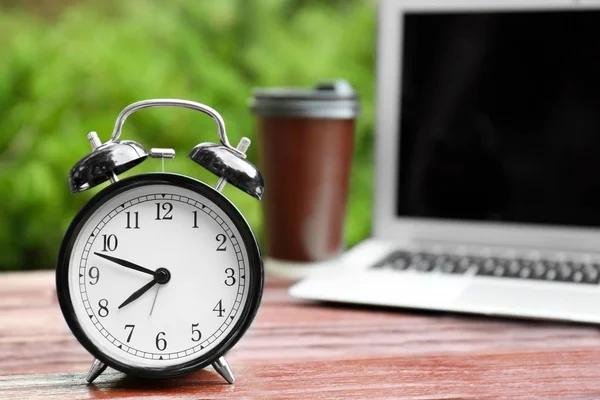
pixel 300 350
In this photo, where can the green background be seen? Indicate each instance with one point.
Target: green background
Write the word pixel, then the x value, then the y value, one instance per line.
pixel 67 68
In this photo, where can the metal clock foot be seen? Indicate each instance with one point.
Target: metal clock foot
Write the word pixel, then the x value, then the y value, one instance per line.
pixel 96 369
pixel 223 369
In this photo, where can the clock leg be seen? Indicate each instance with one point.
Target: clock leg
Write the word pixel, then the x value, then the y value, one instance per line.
pixel 96 369
pixel 223 369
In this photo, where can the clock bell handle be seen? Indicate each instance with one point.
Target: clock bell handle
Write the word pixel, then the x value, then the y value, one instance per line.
pixel 192 105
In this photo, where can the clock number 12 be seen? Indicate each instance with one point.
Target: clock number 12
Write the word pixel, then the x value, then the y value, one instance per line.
pixel 167 208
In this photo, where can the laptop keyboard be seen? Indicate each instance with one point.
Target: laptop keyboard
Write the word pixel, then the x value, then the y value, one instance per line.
pixel 516 268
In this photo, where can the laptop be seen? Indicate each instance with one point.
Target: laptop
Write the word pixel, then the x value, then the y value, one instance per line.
pixel 487 183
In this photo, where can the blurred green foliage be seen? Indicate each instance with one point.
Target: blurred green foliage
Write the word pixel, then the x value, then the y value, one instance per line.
pixel 70 68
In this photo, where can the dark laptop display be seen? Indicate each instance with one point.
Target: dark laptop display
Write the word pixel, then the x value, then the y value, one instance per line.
pixel 500 117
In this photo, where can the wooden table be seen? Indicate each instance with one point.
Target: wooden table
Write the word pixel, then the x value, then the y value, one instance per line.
pixel 299 350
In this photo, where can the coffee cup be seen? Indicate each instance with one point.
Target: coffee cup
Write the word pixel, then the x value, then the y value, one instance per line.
pixel 305 142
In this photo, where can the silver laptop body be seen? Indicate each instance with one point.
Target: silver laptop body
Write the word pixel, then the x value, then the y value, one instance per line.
pixel 484 203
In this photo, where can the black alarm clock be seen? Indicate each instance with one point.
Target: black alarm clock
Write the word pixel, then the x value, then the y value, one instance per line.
pixel 159 274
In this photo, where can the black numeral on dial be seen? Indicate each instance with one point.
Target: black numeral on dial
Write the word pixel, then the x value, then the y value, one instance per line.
pixel 94 274
pixel 132 327
pixel 219 307
pixel 196 335
pixel 163 211
pixel 161 342
pixel 221 238
pixel 230 280
pixel 110 242
pixel 132 223
pixel 103 310
pixel 195 219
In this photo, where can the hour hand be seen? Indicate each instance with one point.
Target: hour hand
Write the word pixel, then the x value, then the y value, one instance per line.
pixel 125 263
pixel 161 276
pixel 138 293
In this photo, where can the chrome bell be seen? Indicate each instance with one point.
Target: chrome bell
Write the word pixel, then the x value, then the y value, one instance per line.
pixel 231 165
pixel 105 162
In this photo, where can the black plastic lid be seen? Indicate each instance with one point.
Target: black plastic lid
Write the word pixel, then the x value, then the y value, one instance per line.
pixel 335 100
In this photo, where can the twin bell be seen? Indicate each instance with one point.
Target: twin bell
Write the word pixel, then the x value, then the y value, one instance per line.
pixel 110 159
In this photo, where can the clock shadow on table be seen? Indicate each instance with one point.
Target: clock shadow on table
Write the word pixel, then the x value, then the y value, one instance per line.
pixel 116 384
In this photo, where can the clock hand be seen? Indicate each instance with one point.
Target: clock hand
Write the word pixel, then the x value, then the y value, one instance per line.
pixel 154 302
pixel 138 293
pixel 161 276
pixel 126 264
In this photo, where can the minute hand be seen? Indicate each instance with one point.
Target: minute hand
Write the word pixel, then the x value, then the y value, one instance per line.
pixel 126 264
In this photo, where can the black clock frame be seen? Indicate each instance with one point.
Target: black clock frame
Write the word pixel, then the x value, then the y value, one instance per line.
pixel 255 285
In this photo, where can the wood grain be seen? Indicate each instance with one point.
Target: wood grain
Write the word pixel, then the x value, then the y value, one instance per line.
pixel 302 350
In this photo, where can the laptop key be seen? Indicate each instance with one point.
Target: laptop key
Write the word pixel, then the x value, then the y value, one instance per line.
pixel 577 276
pixel 463 264
pixel 551 274
pixel 424 265
pixel 539 270
pixel 396 260
pixel 439 261
pixel 400 263
pixel 487 267
pixel 514 267
pixel 448 267
pixel 565 271
pixel 591 274
pixel 525 273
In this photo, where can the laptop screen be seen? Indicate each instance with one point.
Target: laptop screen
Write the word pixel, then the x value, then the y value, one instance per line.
pixel 500 117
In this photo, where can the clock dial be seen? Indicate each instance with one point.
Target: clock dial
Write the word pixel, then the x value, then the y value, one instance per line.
pixel 159 276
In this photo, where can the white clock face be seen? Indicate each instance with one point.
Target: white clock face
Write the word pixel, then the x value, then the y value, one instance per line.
pixel 145 318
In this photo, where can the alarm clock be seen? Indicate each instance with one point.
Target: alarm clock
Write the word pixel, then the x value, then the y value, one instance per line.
pixel 159 274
